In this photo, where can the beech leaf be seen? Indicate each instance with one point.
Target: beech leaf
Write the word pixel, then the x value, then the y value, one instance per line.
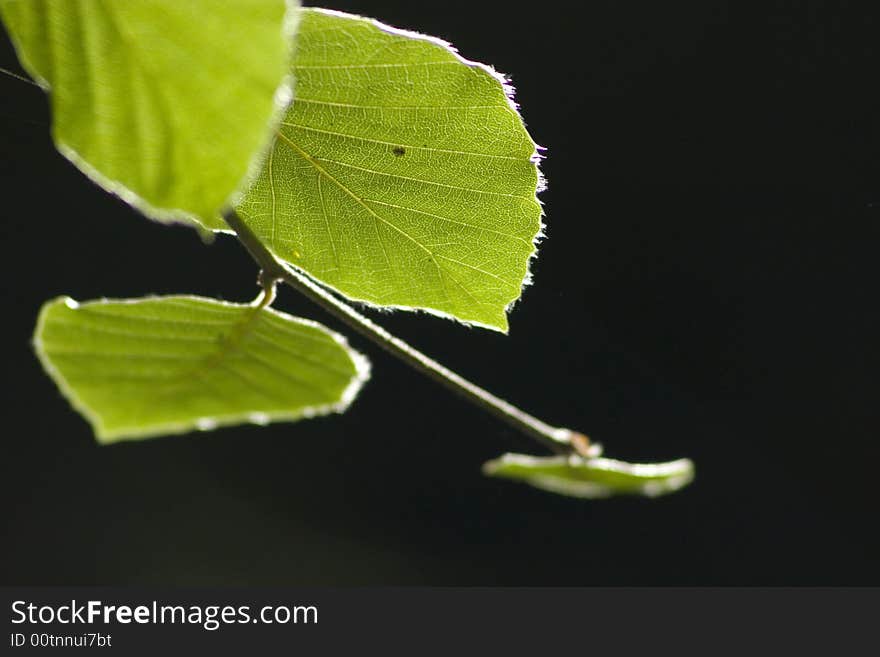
pixel 137 368
pixel 169 104
pixel 402 174
pixel 598 477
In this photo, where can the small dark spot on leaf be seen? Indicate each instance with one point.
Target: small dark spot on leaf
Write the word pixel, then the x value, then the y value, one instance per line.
pixel 398 150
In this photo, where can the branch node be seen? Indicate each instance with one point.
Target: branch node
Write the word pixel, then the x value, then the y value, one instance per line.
pixel 267 294
pixel 580 443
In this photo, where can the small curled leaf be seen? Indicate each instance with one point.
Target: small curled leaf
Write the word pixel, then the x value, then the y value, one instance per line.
pixel 592 478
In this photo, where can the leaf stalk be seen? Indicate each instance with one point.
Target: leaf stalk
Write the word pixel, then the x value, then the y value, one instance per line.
pixel 557 439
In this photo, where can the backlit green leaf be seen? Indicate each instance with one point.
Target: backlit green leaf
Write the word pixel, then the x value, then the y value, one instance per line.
pixel 402 174
pixel 146 367
pixel 594 477
pixel 167 103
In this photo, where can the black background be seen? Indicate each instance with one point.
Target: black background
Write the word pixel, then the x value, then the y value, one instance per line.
pixel 707 289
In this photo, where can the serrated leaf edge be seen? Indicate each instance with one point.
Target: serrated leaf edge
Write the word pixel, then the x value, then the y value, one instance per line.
pixel 536 157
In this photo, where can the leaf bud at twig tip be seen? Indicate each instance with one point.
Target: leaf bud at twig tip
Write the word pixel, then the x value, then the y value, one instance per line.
pixel 580 443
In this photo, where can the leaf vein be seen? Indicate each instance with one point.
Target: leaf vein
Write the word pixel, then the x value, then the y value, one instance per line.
pixel 431 149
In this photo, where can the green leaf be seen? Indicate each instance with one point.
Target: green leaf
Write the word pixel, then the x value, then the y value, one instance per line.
pixel 402 174
pixel 145 367
pixel 593 477
pixel 167 104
